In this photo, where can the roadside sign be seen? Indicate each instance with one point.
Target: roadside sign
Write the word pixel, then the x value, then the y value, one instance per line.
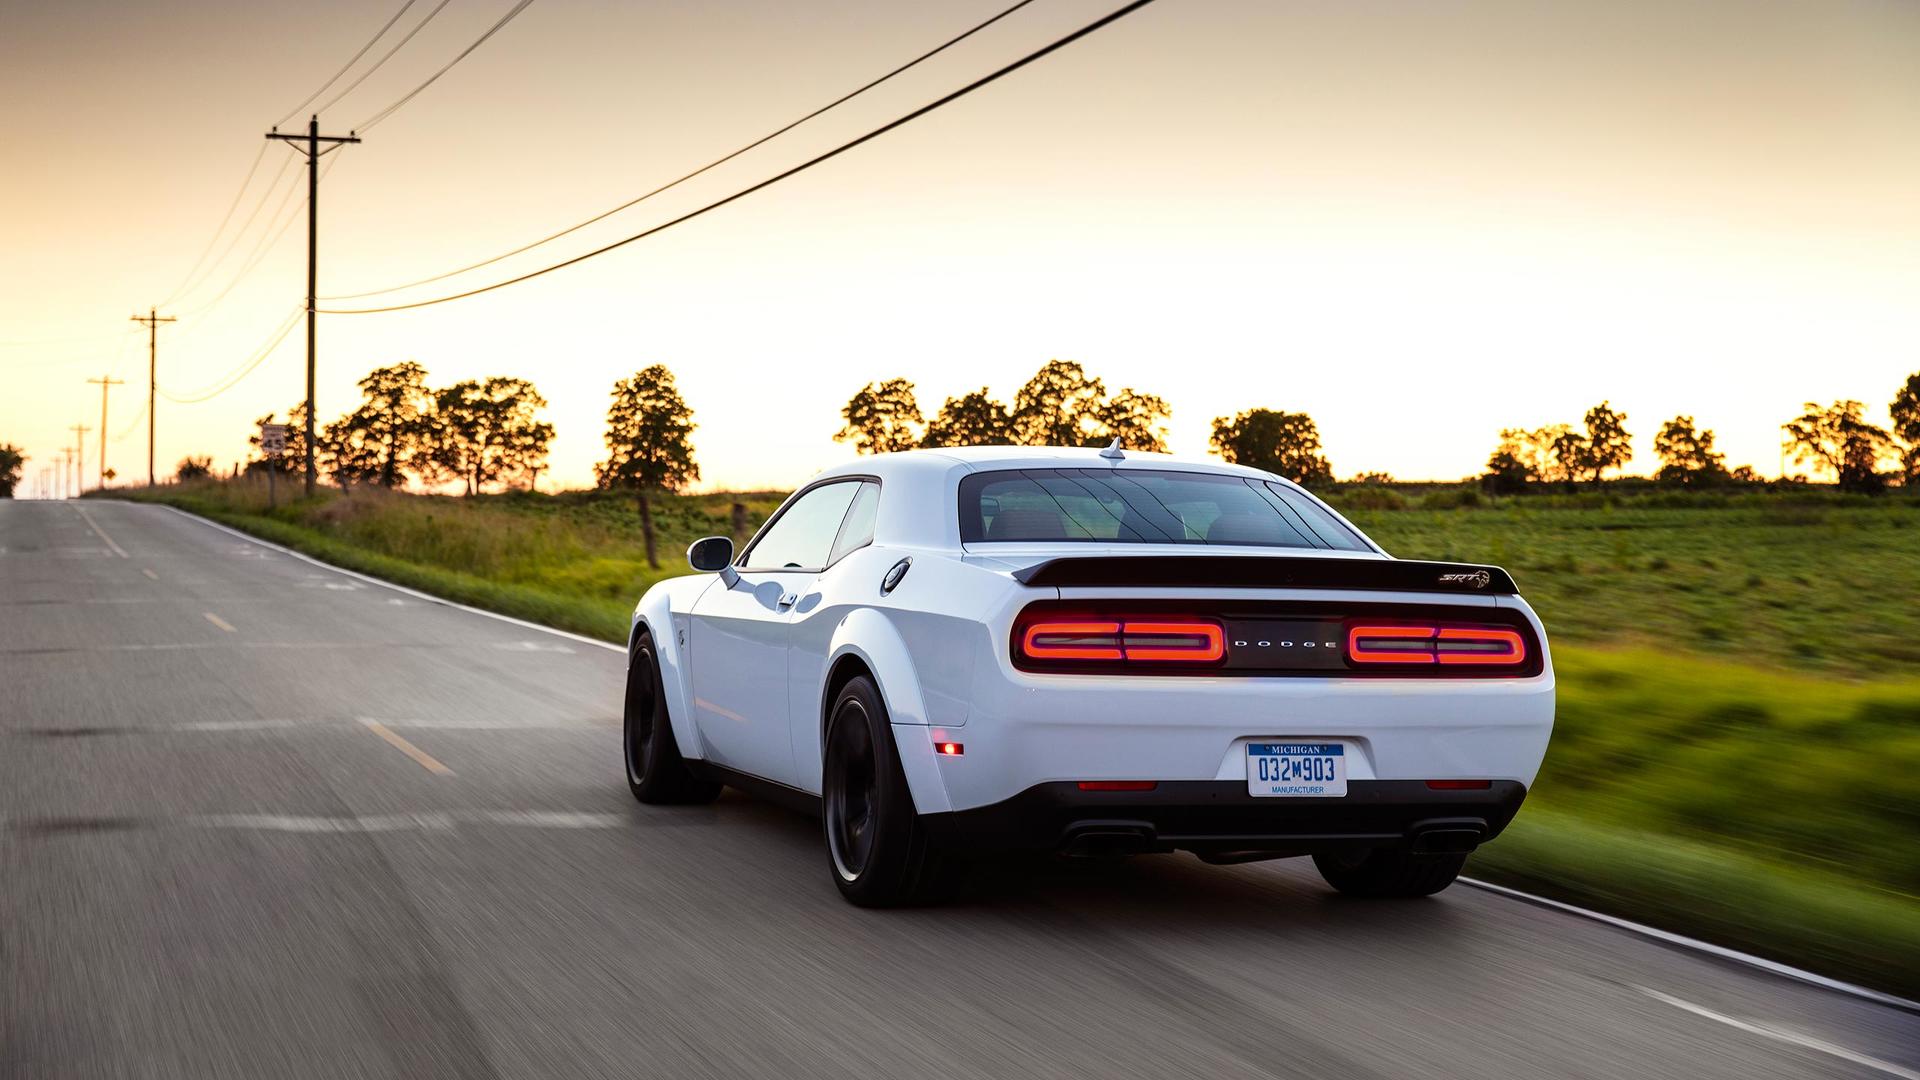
pixel 273 439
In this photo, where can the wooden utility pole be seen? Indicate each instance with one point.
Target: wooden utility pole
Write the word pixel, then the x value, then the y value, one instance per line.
pixel 79 457
pixel 312 140
pixel 153 320
pixel 105 383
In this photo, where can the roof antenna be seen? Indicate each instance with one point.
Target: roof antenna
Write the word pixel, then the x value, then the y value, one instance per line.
pixel 1113 452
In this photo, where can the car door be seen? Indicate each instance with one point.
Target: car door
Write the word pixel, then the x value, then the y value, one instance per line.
pixel 741 634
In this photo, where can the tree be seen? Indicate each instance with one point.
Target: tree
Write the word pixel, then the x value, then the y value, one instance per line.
pixel 1906 426
pixel 294 459
pixel 1839 438
pixel 486 432
pixel 1059 406
pixel 1284 443
pixel 1134 418
pixel 385 437
pixel 193 468
pixel 12 458
pixel 881 418
pixel 649 445
pixel 1604 445
pixel 1687 455
pixel 970 420
pixel 1523 458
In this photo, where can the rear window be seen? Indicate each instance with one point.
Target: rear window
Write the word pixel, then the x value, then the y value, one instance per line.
pixel 1142 506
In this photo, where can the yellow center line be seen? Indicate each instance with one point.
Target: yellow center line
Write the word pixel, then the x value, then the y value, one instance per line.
pixel 97 531
pixel 421 757
pixel 149 572
pixel 219 622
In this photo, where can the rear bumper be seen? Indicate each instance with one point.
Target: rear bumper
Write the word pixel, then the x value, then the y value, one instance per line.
pixel 1215 817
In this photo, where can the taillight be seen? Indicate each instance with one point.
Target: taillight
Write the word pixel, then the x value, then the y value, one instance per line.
pixel 1159 639
pixel 1431 644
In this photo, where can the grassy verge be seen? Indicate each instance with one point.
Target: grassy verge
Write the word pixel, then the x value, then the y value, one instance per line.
pixel 1769 809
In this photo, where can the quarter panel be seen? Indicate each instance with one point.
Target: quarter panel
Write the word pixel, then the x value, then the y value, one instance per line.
pixel 663 611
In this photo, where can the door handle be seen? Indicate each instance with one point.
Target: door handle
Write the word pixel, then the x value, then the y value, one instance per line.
pixel 788 599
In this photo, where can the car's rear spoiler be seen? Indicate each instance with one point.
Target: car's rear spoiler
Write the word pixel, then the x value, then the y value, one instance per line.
pixel 1267 572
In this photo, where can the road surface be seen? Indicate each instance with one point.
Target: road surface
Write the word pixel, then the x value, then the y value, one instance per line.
pixel 261 819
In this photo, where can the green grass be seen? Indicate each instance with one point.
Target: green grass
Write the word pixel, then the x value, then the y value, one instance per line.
pixel 1737 748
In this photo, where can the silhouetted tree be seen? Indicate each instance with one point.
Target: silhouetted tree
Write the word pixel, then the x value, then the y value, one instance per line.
pixel 193 468
pixel 1284 443
pixel 1059 406
pixel 1523 458
pixel 1133 418
pixel 11 460
pixel 970 420
pixel 649 444
pixel 486 431
pixel 1839 438
pixel 1906 426
pixel 1605 444
pixel 1687 455
pixel 881 418
pixel 385 438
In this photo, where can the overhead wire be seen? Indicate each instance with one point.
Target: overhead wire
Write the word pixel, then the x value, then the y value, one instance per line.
pixel 367 124
pixel 923 110
pixel 265 245
pixel 234 377
pixel 234 240
pixel 258 156
pixel 711 165
pixel 401 44
pixel 344 68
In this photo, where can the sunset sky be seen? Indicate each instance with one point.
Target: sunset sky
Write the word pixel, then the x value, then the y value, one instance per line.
pixel 1418 222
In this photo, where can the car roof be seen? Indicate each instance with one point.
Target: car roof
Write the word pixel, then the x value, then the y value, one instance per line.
pixel 948 461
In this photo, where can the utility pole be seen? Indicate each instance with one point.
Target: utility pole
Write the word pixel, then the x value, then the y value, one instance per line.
pixel 79 457
pixel 153 321
pixel 312 139
pixel 105 383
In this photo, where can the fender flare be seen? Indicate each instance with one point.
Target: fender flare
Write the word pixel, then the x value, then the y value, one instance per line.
pixel 655 614
pixel 867 634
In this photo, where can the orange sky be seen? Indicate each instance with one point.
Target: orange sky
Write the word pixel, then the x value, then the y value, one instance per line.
pixel 1417 222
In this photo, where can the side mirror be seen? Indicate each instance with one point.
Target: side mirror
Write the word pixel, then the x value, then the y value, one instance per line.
pixel 711 554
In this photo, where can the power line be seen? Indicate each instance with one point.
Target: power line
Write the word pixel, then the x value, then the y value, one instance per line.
pixel 234 377
pixel 717 162
pixel 295 111
pixel 264 246
pixel 401 44
pixel 234 240
pixel 367 125
pixel 218 229
pixel 770 181
pixel 132 424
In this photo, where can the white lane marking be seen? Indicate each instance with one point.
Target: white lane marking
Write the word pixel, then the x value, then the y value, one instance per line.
pixel 149 572
pixel 531 646
pixel 432 821
pixel 231 725
pixel 97 531
pixel 415 593
pixel 1785 1035
pixel 420 757
pixel 219 622
pixel 1682 941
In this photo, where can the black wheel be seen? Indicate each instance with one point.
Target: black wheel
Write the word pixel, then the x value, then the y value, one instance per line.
pixel 656 773
pixel 880 853
pixel 1386 872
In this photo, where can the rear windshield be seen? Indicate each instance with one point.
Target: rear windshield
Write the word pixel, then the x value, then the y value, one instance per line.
pixel 1142 506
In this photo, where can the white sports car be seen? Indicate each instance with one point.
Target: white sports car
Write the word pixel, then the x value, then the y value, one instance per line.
pixel 949 652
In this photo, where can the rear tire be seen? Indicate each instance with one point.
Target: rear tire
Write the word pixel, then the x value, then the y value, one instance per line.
pixel 879 851
pixel 656 773
pixel 1387 872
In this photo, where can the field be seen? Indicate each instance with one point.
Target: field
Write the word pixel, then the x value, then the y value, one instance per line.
pixel 1737 749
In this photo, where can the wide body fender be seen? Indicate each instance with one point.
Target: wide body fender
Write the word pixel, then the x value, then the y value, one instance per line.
pixel 665 613
pixel 866 634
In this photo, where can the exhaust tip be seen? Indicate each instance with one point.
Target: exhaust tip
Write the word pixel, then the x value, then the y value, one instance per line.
pixel 1456 841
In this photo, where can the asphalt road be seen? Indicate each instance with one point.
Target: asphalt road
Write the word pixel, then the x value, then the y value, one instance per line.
pixel 260 819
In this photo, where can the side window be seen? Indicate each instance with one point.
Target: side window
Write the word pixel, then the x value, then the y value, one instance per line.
pixel 801 538
pixel 856 531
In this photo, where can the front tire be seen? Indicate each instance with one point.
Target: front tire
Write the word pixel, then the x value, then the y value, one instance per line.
pixel 1388 873
pixel 879 851
pixel 656 773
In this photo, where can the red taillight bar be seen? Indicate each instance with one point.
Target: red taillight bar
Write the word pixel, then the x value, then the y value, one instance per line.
pixel 1177 640
pixel 1435 645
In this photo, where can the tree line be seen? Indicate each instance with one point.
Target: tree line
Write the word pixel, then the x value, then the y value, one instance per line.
pixel 1062 405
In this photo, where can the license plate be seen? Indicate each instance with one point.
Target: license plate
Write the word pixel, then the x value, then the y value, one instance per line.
pixel 1300 770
